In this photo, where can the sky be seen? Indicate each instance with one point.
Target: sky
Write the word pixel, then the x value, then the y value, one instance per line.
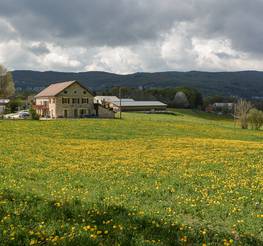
pixel 128 36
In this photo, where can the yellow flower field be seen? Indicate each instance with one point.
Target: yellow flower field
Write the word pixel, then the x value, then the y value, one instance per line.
pixel 143 180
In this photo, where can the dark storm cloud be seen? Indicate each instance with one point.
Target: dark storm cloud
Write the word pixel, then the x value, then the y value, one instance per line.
pixel 124 22
pixel 241 21
pixel 39 49
pixel 103 22
pixel 224 55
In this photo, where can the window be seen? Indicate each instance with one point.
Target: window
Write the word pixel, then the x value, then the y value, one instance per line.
pixel 75 100
pixel 84 92
pixel 53 100
pixel 65 92
pixel 85 100
pixel 75 92
pixel 65 100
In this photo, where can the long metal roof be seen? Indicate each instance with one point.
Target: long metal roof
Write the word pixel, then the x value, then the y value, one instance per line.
pixel 123 100
pixel 107 98
pixel 139 103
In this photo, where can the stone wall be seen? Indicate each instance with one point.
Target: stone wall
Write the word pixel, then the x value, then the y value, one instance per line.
pixel 105 112
pixel 74 110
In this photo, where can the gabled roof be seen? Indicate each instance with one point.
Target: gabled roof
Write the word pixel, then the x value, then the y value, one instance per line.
pixel 55 89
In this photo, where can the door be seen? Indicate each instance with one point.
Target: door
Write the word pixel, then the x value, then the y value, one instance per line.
pixel 82 112
pixel 76 113
pixel 65 113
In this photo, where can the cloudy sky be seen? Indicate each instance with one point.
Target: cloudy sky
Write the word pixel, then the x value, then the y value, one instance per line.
pixel 126 36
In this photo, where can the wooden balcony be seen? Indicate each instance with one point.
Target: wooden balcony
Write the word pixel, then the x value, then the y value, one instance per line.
pixel 40 107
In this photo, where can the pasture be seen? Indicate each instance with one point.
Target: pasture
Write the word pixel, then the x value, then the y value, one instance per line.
pixel 189 179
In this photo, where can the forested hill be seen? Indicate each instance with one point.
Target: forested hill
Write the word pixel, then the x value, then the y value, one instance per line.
pixel 245 83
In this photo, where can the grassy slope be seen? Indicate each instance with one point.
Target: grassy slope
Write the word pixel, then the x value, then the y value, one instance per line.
pixel 147 179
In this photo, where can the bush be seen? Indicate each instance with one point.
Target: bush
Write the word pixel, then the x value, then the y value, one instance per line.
pixel 14 105
pixel 33 114
pixel 255 118
pixel 241 110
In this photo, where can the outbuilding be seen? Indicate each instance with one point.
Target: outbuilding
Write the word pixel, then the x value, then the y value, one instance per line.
pixel 139 105
pixel 3 103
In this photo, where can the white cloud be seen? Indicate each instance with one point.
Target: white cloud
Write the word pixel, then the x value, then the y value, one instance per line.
pixel 219 55
pixel 119 60
pixel 14 56
pixel 177 49
pixel 59 58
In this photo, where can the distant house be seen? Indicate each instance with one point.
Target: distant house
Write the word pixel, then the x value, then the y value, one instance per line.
pixel 3 103
pixel 209 108
pixel 223 106
pixel 69 100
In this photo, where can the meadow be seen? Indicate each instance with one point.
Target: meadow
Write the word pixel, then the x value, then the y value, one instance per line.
pixel 189 179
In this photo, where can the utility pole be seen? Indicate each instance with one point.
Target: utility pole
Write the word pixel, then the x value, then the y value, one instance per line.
pixel 120 100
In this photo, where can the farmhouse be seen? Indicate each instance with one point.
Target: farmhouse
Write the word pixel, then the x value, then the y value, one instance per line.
pixel 69 100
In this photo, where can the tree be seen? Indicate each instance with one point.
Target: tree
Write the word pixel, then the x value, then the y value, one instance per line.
pixel 193 96
pixel 7 87
pixel 255 118
pixel 14 105
pixel 180 100
pixel 241 111
pixel 33 114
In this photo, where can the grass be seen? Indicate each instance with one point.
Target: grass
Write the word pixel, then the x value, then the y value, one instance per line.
pixel 189 179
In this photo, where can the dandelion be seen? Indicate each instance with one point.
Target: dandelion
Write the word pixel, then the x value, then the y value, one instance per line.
pixel 33 242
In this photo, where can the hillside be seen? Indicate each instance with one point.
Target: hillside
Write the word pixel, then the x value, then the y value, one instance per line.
pixel 245 83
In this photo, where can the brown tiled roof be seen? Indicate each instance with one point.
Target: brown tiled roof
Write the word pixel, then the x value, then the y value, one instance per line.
pixel 55 89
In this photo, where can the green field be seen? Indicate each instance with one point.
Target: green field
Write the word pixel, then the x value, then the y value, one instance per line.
pixel 189 179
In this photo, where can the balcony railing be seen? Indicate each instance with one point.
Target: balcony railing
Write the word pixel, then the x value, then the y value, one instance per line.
pixel 40 107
